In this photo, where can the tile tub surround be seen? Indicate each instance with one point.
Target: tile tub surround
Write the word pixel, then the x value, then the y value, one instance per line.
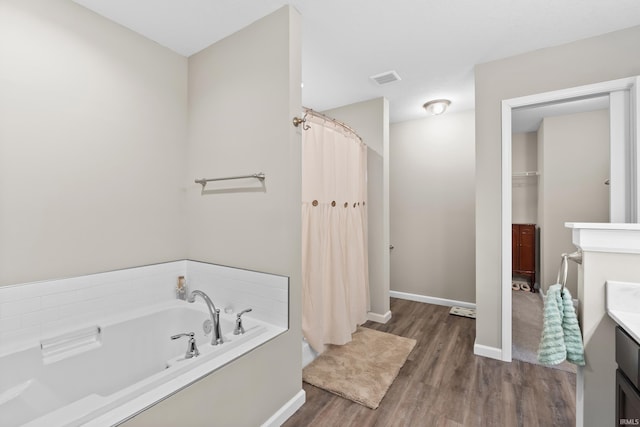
pixel 33 311
pixel 234 289
pixel 60 385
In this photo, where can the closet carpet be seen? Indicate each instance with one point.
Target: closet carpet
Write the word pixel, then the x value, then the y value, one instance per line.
pixel 443 383
pixel 526 308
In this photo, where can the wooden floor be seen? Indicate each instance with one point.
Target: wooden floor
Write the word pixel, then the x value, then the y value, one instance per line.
pixel 444 384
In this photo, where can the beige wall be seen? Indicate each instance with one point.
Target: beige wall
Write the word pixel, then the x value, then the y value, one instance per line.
pixel 432 206
pixel 243 92
pixel 92 144
pixel 592 60
pixel 524 191
pixel 370 119
pixel 576 164
pixel 98 127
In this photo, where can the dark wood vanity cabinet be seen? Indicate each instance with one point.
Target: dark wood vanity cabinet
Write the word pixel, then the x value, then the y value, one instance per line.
pixel 523 251
pixel 627 402
pixel 627 379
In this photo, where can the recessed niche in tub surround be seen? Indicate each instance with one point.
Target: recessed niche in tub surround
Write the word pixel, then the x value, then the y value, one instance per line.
pixel 33 311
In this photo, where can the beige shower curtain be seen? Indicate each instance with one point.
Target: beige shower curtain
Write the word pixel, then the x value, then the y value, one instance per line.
pixel 335 279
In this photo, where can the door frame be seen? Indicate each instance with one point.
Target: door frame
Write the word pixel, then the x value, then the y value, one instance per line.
pixel 624 132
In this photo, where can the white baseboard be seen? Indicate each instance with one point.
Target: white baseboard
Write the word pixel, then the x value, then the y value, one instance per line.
pixel 486 351
pixel 285 412
pixel 380 318
pixel 431 300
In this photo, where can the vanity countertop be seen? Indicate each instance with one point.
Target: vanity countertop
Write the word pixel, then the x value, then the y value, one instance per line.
pixel 623 306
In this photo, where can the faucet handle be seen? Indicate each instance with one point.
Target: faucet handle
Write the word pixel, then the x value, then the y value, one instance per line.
pixel 246 310
pixel 192 349
pixel 239 329
pixel 190 335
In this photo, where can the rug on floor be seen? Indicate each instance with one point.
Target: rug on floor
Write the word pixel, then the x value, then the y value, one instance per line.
pixel 362 370
pixel 463 312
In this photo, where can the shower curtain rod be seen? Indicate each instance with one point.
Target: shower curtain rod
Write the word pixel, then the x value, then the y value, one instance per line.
pixel 297 121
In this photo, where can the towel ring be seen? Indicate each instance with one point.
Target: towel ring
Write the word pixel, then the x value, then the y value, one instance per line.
pixel 564 267
pixel 562 272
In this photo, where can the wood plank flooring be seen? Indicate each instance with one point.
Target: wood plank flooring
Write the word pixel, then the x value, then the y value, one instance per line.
pixel 444 384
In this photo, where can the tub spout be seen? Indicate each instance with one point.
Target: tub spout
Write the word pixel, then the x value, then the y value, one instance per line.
pixel 216 336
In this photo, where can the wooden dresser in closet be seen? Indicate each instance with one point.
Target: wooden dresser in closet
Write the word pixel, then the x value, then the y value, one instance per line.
pixel 523 251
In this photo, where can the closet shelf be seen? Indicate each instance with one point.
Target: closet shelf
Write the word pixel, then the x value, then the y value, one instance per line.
pixel 527 173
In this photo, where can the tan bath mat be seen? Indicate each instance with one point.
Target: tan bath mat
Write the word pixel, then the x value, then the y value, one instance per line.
pixel 362 370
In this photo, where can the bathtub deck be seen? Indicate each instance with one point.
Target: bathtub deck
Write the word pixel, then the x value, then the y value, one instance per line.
pixel 444 384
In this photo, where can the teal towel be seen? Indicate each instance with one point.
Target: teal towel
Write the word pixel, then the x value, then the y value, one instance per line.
pixel 561 338
pixel 571 329
pixel 552 349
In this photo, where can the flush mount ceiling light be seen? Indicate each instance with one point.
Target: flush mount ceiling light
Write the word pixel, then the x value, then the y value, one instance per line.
pixel 437 106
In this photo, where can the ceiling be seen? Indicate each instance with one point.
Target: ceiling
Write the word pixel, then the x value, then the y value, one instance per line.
pixel 432 44
pixel 528 119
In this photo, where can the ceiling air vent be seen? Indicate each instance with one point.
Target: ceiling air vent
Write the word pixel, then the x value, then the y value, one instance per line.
pixel 386 77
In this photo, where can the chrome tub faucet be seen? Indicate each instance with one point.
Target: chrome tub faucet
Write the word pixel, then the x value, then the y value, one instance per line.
pixel 216 336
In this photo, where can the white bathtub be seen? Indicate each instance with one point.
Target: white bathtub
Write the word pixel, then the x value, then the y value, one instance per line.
pixel 101 374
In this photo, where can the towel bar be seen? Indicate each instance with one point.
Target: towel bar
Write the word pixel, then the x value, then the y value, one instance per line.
pixel 261 176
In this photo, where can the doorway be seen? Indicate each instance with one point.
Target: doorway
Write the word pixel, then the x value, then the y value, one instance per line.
pixel 560 169
pixel 624 122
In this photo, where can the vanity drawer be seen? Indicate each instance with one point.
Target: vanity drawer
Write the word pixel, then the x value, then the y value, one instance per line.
pixel 627 355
